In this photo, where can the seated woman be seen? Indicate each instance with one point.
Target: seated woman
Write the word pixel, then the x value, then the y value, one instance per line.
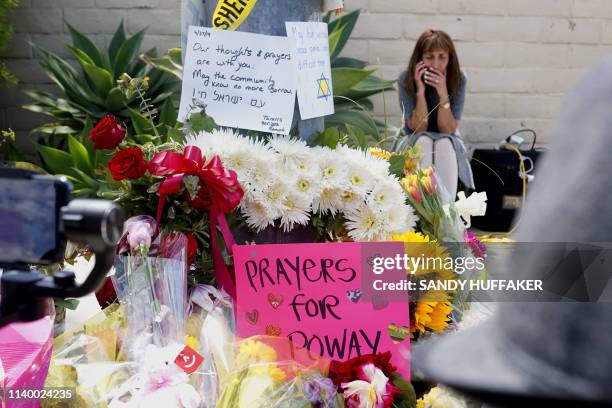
pixel 432 94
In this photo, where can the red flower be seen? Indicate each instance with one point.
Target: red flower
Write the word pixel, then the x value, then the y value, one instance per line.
pixel 350 370
pixel 128 163
pixel 107 134
pixel 173 243
pixel 192 248
pixel 106 294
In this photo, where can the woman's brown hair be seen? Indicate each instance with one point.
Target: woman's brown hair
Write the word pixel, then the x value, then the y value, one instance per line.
pixel 432 40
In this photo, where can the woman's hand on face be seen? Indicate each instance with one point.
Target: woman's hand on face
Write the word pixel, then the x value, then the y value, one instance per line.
pixel 419 70
pixel 437 80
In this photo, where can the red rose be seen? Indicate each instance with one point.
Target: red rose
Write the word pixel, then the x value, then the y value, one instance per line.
pixel 350 370
pixel 128 163
pixel 172 245
pixel 107 134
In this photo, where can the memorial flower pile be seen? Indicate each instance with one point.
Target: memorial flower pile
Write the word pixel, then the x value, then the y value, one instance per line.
pixel 286 182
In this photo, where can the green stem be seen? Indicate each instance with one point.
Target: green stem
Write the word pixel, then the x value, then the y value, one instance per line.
pixel 149 114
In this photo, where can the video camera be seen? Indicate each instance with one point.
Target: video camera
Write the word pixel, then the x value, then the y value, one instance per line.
pixel 37 218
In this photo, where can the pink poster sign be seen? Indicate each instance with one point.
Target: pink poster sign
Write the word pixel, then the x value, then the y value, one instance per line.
pixel 313 294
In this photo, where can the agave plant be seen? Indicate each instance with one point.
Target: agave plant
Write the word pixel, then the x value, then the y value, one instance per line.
pixel 353 85
pixel 93 91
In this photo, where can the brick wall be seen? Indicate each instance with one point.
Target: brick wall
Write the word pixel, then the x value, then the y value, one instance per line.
pixel 521 56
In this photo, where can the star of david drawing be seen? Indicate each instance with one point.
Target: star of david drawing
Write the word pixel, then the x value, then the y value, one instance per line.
pixel 324 89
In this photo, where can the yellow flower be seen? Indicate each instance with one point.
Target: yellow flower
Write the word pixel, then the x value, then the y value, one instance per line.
pixel 253 352
pixel 430 316
pixel 380 153
pixel 192 342
pixel 271 370
pixel 411 237
pixel 418 245
pixel 440 398
pixel 429 184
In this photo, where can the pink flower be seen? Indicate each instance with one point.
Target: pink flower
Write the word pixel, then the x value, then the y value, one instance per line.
pixel 138 232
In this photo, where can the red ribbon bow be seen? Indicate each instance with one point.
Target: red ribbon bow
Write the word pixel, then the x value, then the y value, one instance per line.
pixel 219 191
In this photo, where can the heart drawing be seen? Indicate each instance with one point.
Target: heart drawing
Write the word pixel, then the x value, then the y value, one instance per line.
pixel 379 302
pixel 397 333
pixel 275 300
pixel 354 295
pixel 252 316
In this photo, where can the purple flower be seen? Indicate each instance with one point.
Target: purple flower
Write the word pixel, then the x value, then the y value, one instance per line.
pixel 478 248
pixel 320 391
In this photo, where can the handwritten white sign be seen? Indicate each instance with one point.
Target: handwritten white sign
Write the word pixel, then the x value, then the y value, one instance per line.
pixel 246 80
pixel 315 95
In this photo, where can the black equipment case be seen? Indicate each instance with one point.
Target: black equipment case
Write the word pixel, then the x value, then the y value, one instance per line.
pixel 497 171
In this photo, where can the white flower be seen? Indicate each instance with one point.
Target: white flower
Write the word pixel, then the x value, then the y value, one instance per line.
pixel 352 199
pixel 256 214
pixel 386 194
pixel 378 166
pixel 296 210
pixel 359 178
pixel 332 169
pixel 219 141
pixel 369 393
pixel 294 153
pixel 328 200
pixel 273 197
pixel 399 219
pixel 474 205
pixel 364 224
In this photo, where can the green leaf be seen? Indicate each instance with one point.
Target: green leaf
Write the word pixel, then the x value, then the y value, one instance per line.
pixel 175 135
pixel 114 100
pixel 397 164
pixel 57 161
pixel 80 55
pixel 201 122
pixel 70 304
pixel 85 44
pixel 329 138
pixel 140 123
pixel 100 78
pixel 79 154
pixel 358 136
pixel 14 154
pixel 127 52
pixel 87 142
pixel 116 42
pixel 343 79
pixel 82 178
pixel 345 23
pixel 167 63
pixel 369 86
pixel 407 394
pixel 333 39
pixel 348 62
pixel 356 118
pixel 175 55
pixel 168 113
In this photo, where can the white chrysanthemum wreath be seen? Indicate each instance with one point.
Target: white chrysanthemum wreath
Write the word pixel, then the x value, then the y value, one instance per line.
pixel 285 179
